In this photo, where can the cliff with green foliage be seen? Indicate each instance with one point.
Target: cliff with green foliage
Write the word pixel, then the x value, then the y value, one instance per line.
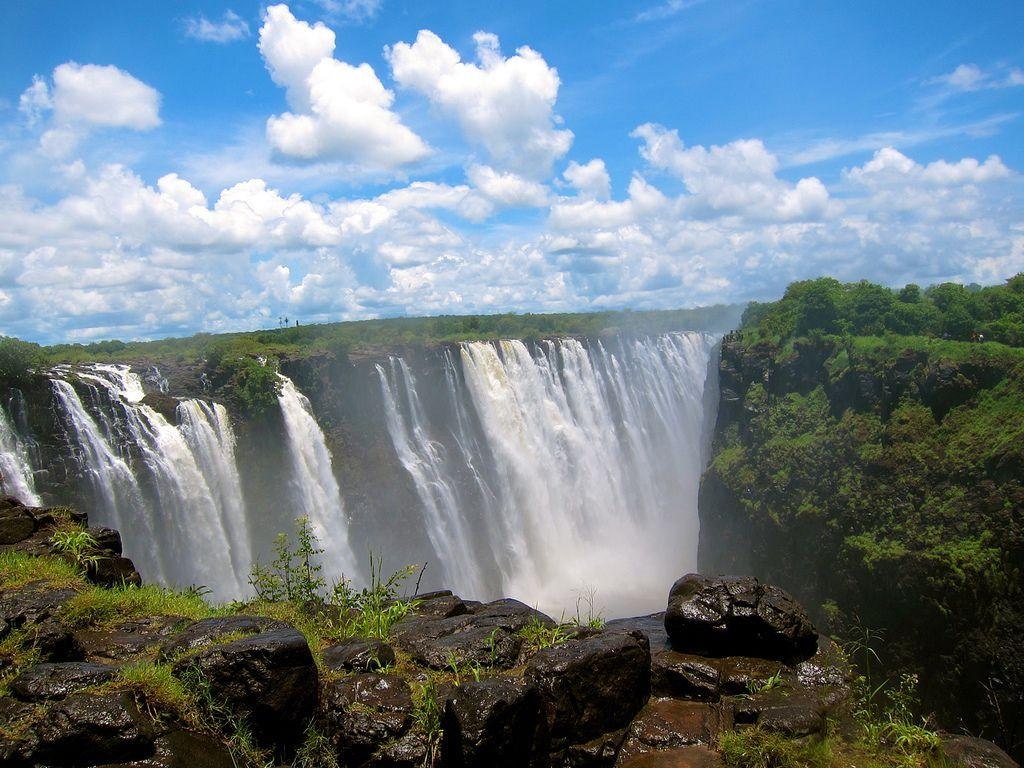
pixel 869 457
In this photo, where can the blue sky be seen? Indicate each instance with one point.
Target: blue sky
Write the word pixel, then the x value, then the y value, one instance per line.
pixel 167 168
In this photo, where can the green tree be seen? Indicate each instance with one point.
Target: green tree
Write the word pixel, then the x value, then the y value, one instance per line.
pixel 18 358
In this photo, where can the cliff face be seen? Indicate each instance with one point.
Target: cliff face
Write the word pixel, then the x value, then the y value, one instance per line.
pixel 882 482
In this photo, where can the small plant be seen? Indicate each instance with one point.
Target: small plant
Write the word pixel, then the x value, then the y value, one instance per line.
pixel 763 686
pixel 428 706
pixel 316 750
pixel 377 608
pixel 470 668
pixel 589 617
pixel 77 544
pixel 897 727
pixel 538 635
pixel 295 573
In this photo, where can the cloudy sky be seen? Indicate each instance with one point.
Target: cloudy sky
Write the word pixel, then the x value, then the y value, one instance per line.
pixel 167 168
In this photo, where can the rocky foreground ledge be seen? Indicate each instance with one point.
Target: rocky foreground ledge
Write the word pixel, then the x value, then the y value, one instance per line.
pixel 458 683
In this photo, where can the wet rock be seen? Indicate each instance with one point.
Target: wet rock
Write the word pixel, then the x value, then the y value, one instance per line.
pixel 19 740
pixel 684 676
pixel 486 637
pixel 495 723
pixel 113 571
pixel 107 539
pixel 57 681
pixel 682 757
pixel 366 712
pixel 106 728
pixel 32 603
pixel 670 723
pixel 127 639
pixel 359 654
pixel 592 686
pixel 16 524
pixel 410 751
pixel 739 675
pixel 54 642
pixel 207 631
pixel 828 666
pixel 971 752
pixel 653 626
pixel 596 753
pixel 439 605
pixel 728 616
pixel 268 678
pixel 794 712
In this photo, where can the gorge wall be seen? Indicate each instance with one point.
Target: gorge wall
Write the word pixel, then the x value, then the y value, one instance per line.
pixel 541 470
pixel 881 481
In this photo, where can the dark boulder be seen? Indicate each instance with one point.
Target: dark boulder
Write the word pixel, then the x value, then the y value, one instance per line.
pixel 101 729
pixel 269 679
pixel 596 753
pixel 730 616
pixel 413 750
pixel 795 712
pixel 439 605
pixel 592 686
pixel 358 654
pixel 487 636
pixel 972 752
pixel 653 626
pixel 366 712
pixel 32 603
pixel 16 524
pixel 57 681
pixel 495 723
pixel 110 570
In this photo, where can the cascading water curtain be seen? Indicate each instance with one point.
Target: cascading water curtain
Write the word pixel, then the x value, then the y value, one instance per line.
pixel 574 477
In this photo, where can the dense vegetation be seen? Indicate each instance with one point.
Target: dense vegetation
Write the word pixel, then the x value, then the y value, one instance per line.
pixel 870 457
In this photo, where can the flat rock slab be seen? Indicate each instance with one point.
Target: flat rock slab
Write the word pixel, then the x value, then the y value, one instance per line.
pixel 204 632
pixel 16 524
pixel 737 616
pixel 683 757
pixel 794 712
pixel 57 681
pixel 592 686
pixel 653 626
pixel 670 723
pixel 126 640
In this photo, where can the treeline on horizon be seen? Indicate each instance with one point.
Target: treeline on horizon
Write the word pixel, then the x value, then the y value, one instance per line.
pixel 947 310
pixel 17 356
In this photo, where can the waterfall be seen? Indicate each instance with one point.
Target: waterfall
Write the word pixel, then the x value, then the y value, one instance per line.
pixel 314 487
pixel 580 467
pixel 427 462
pixel 15 469
pixel 173 492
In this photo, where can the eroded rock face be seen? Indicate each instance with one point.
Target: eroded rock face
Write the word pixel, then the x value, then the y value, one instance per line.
pixel 366 713
pixel 56 681
pixel 496 723
pixel 484 635
pixel 268 678
pixel 730 616
pixel 592 686
pixel 358 654
pixel 101 729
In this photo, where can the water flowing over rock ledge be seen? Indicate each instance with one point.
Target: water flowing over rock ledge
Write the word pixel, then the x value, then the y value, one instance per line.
pixel 655 690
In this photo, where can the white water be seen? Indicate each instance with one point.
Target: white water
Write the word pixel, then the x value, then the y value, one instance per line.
pixel 595 458
pixel 172 492
pixel 15 470
pixel 314 487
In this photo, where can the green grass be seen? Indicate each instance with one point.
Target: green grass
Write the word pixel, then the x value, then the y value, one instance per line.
pixel 99 605
pixel 18 569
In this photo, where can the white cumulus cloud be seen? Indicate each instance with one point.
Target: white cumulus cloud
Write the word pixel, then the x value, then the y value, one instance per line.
pixel 340 111
pixel 505 105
